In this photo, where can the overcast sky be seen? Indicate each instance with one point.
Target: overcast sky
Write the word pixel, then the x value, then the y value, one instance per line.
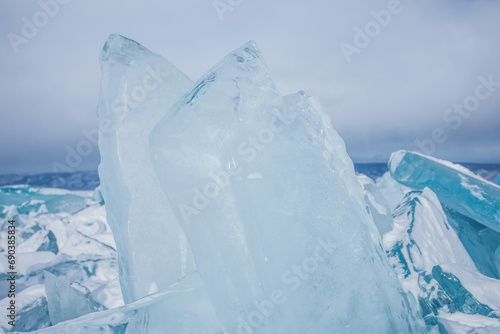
pixel 382 92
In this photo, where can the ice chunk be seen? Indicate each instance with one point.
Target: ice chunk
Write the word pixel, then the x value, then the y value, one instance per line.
pixel 97 275
pixel 461 297
pixel 290 251
pixel 108 294
pixel 392 190
pixel 457 187
pixel 137 88
pixel 377 205
pixel 42 240
pixel 8 212
pixel 65 302
pixel 78 243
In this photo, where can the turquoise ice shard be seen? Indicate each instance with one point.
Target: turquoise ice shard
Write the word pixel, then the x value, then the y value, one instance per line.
pixel 270 204
pixel 65 302
pixel 485 290
pixel 380 211
pixel 137 88
pixel 457 187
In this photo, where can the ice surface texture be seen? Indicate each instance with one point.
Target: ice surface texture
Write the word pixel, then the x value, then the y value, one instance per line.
pixel 272 209
pixel 457 188
pixel 137 88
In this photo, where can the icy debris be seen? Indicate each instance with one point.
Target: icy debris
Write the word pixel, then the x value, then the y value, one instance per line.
pixel 74 247
pixel 182 308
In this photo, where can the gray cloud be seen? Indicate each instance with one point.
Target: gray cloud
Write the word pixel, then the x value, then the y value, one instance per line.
pixel 395 91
